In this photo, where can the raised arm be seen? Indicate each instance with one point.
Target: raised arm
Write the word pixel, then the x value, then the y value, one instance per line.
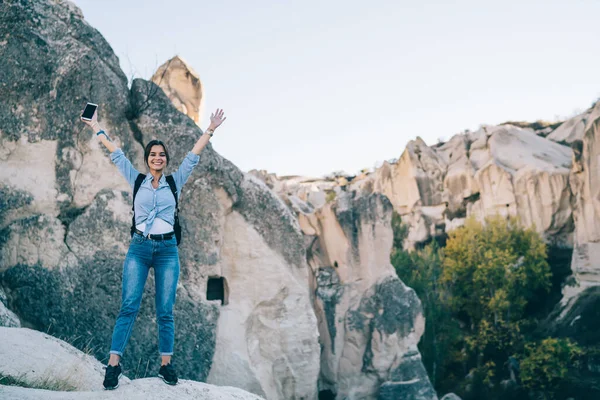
pixel 216 119
pixel 191 160
pixel 116 155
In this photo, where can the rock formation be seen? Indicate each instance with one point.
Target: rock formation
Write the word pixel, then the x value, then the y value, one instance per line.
pixel 370 323
pixel 503 170
pixel 182 86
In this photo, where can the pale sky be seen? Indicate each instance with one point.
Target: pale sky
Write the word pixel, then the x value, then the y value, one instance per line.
pixel 310 87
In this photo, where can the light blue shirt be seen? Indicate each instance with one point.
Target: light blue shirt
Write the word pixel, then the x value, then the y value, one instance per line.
pixel 153 203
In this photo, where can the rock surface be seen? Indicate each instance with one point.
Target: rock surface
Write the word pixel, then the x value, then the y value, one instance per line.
pixel 511 170
pixel 571 130
pixel 35 357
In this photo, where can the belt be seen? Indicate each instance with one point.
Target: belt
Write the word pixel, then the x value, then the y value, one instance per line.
pixel 159 236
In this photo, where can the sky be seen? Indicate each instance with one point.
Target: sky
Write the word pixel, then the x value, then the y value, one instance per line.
pixel 311 87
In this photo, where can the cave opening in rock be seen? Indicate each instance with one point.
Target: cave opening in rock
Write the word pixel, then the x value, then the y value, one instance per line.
pixel 326 395
pixel 216 289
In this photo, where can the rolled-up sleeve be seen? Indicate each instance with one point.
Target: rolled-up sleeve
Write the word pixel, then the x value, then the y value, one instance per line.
pixel 185 169
pixel 124 166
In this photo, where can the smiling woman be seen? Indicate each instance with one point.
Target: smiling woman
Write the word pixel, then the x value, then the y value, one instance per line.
pixel 153 244
pixel 156 155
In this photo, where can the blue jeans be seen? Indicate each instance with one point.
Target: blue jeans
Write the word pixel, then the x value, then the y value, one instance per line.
pixel 144 254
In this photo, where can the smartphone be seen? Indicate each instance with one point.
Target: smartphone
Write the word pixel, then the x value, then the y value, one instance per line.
pixel 89 111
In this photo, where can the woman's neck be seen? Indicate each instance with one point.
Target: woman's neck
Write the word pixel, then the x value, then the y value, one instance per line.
pixel 156 175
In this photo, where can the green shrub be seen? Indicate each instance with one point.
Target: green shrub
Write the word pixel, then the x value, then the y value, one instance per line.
pixel 547 364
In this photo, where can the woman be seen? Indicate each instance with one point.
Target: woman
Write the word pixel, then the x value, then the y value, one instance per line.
pixel 153 245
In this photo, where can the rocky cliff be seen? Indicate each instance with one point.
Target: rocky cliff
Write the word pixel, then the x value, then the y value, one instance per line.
pixel 370 323
pixel 544 174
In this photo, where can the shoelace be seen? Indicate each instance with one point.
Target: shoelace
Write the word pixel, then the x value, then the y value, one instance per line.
pixel 169 370
pixel 112 371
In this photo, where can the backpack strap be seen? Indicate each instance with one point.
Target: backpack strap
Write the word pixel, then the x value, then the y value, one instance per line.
pixel 138 182
pixel 136 186
pixel 171 182
pixel 176 226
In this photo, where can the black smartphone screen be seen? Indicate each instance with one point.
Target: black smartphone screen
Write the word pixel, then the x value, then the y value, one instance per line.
pixel 89 111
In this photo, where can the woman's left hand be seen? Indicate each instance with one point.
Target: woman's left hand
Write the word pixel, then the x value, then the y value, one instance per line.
pixel 216 119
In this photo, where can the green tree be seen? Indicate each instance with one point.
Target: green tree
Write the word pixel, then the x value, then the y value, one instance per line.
pixel 494 270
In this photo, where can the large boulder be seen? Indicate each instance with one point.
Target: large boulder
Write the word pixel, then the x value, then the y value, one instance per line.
pixel 52 63
pixel 33 356
pixel 581 320
pixel 572 129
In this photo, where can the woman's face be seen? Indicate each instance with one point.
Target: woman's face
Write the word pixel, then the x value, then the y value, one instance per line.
pixel 157 159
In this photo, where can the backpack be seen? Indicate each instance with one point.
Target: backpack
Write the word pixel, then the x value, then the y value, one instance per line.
pixel 176 227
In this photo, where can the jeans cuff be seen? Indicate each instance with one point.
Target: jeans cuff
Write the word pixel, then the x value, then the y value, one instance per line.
pixel 166 354
pixel 119 353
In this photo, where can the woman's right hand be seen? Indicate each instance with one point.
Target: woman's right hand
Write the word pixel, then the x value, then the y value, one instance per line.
pixel 93 123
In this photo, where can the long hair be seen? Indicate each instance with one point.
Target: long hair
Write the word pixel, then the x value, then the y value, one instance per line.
pixel 149 146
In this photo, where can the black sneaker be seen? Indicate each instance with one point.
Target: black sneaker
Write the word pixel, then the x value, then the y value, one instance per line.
pixel 168 374
pixel 111 377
